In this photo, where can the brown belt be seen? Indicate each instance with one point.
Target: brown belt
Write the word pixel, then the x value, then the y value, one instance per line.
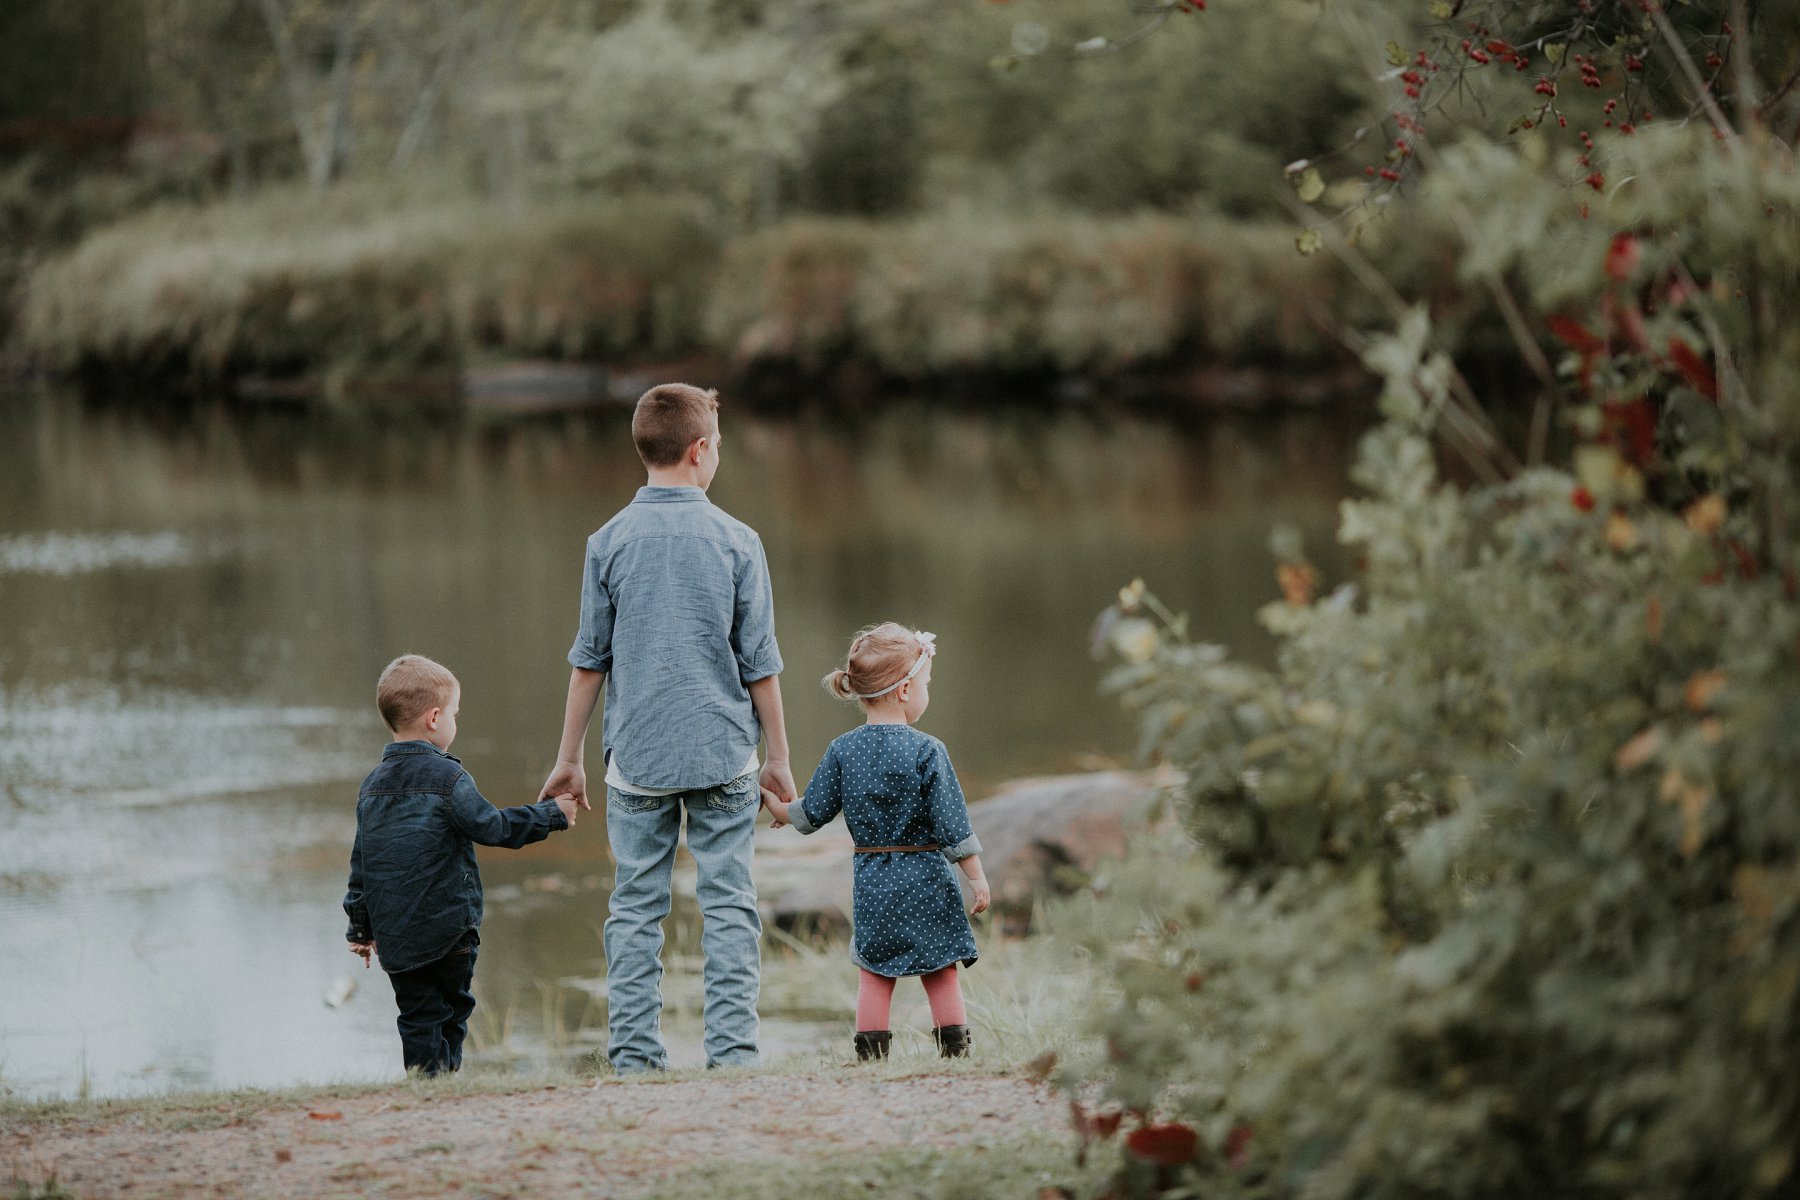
pixel 880 849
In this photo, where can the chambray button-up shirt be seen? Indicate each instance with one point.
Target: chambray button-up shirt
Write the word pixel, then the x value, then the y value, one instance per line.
pixel 677 609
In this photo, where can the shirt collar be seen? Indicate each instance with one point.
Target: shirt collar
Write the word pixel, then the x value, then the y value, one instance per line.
pixel 415 746
pixel 669 495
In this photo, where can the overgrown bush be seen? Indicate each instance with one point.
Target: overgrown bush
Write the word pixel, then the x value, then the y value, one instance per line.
pixel 358 280
pixel 1493 886
pixel 349 283
pixel 994 292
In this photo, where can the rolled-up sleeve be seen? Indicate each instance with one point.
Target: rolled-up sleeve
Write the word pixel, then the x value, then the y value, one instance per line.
pixel 592 650
pixel 753 621
pixel 949 812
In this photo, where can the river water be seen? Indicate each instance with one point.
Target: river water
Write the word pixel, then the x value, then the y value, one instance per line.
pixel 194 608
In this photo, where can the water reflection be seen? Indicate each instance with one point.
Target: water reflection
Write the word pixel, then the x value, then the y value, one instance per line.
pixel 193 612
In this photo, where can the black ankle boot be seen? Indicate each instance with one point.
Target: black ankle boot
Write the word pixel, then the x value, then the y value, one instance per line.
pixel 873 1043
pixel 952 1040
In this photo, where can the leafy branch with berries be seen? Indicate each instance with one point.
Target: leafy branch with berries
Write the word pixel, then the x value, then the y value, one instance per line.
pixel 1491 882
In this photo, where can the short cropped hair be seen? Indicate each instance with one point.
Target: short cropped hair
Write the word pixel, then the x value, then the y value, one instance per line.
pixel 411 685
pixel 669 418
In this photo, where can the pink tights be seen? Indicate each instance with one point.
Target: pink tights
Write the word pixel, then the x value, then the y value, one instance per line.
pixel 875 997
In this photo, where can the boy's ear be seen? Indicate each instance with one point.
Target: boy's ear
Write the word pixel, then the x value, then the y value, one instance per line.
pixel 431 717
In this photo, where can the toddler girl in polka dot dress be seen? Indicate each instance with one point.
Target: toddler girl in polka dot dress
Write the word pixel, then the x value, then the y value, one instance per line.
pixel 905 810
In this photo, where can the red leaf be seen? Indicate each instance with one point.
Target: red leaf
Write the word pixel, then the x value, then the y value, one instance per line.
pixel 1748 567
pixel 1693 369
pixel 326 1116
pixel 1100 1125
pixel 1575 335
pixel 1237 1146
pixel 1622 257
pixel 1164 1145
pixel 1632 427
pixel 1582 499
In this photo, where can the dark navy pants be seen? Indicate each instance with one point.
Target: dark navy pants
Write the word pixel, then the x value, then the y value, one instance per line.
pixel 435 1003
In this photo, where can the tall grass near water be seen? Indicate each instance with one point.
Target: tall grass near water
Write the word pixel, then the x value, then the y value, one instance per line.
pixel 357 282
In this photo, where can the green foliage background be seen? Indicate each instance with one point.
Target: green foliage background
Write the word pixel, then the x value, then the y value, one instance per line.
pixel 1006 203
pixel 1492 887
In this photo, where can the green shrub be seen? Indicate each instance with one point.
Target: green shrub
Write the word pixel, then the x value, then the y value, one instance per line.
pixel 1493 888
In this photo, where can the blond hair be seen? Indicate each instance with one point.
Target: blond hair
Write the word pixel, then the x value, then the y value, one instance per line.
pixel 411 685
pixel 880 656
pixel 669 418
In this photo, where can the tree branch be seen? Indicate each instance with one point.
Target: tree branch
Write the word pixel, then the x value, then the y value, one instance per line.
pixel 1672 36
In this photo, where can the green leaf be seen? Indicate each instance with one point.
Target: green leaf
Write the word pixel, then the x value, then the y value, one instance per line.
pixel 1396 54
pixel 1310 241
pixel 1554 51
pixel 1439 9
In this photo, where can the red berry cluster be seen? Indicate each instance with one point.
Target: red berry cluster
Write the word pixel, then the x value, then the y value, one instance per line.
pixel 1494 49
pixel 1590 74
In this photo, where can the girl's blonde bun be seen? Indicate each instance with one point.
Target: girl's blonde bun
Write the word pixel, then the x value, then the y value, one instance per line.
pixel 879 656
pixel 838 684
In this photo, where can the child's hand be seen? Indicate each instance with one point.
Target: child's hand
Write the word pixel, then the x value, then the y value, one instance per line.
pixel 777 810
pixel 566 804
pixel 982 897
pixel 366 950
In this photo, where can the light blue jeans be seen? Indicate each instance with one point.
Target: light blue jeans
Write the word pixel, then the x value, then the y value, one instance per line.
pixel 643 831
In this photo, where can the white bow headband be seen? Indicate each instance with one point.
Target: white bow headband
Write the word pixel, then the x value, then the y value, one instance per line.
pixel 927 651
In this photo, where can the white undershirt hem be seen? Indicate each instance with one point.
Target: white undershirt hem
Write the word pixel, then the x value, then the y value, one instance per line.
pixel 616 780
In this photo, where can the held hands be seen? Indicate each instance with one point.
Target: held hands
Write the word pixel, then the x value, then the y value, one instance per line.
pixel 566 803
pixel 567 779
pixel 777 778
pixel 778 810
pixel 366 950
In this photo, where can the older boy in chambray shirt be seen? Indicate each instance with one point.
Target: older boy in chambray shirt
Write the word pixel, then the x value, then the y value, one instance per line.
pixel 678 629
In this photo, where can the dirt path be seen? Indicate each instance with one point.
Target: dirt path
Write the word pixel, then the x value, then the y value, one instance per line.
pixel 610 1139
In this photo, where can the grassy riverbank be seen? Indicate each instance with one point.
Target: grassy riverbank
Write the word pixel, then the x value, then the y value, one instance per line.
pixel 360 283
pixel 818 1123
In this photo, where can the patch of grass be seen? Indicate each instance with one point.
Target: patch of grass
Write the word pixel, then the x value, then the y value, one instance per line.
pixel 34 1185
pixel 177 1110
pixel 1024 1167
pixel 362 280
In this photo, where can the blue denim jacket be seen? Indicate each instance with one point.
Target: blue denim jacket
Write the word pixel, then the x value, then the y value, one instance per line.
pixel 414 885
pixel 677 609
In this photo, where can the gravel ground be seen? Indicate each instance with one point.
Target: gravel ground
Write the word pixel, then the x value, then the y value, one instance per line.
pixel 608 1139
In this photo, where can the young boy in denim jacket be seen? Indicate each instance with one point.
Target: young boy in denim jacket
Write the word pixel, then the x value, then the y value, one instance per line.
pixel 678 628
pixel 415 888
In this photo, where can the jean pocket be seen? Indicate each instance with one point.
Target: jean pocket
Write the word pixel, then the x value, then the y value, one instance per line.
pixel 735 796
pixel 631 802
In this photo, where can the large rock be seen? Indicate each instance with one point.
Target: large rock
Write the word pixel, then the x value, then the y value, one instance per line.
pixel 1040 837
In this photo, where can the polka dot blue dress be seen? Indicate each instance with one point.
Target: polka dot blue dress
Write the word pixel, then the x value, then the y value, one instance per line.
pixel 895 787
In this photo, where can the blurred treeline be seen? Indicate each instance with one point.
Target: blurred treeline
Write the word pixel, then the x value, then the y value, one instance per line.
pixel 196 188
